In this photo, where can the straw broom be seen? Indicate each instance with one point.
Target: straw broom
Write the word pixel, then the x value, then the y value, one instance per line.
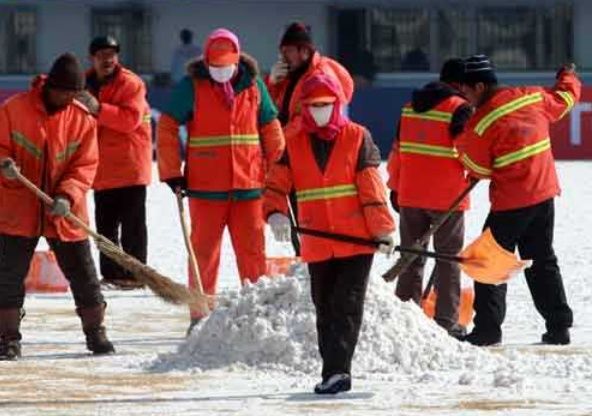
pixel 162 286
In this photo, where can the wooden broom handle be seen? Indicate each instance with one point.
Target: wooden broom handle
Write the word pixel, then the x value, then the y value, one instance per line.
pixel 49 200
pixel 192 258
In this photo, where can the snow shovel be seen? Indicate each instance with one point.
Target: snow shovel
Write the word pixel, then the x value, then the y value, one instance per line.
pixel 201 304
pixel 406 260
pixel 162 286
pixel 484 260
pixel 491 263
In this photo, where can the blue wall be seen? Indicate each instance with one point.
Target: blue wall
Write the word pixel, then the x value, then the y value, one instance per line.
pixel 379 109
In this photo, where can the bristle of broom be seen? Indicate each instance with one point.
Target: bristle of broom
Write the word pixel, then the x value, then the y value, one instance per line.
pixel 162 286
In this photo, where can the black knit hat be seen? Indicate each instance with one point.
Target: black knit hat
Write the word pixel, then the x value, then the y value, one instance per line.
pixel 453 70
pixel 66 73
pixel 297 34
pixel 478 68
pixel 103 42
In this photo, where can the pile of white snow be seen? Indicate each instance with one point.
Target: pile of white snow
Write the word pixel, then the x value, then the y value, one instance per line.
pixel 270 325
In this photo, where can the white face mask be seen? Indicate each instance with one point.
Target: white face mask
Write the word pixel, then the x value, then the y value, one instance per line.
pixel 321 115
pixel 222 74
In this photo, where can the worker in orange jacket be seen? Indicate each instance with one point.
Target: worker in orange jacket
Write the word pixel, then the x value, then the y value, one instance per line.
pixel 424 149
pixel 507 141
pixel 233 130
pixel 51 139
pixel 299 60
pixel 332 163
pixel 117 98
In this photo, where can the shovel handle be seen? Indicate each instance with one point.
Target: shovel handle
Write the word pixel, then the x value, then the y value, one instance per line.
pixel 405 261
pixel 375 243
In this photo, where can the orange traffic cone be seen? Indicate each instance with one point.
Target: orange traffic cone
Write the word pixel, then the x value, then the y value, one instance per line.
pixel 45 276
pixel 278 266
pixel 465 311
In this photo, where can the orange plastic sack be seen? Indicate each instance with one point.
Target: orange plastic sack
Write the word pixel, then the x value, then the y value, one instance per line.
pixel 45 275
pixel 277 266
pixel 488 262
pixel 465 312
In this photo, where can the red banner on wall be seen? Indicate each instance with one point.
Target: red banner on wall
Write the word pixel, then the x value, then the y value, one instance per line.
pixel 571 138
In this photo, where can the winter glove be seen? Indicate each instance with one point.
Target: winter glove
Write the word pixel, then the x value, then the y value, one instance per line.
pixel 569 68
pixel 178 182
pixel 387 244
pixel 279 71
pixel 394 197
pixel 8 168
pixel 280 226
pixel 89 101
pixel 60 207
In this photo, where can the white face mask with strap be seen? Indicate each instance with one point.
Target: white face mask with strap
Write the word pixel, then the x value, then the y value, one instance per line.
pixel 321 115
pixel 222 74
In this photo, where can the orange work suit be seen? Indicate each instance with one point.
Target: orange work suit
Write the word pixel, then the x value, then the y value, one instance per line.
pixel 227 150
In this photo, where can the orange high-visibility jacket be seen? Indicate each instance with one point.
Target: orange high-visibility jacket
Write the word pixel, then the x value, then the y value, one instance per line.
pixel 125 134
pixel 508 141
pixel 227 146
pixel 340 199
pixel 224 140
pixel 58 153
pixel 318 64
pixel 423 165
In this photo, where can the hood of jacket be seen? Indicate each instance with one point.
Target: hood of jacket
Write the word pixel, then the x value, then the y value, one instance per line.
pixel 432 94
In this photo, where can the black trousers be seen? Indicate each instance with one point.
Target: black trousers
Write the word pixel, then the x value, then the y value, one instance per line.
pixel 122 209
pixel 338 288
pixel 531 230
pixel 74 259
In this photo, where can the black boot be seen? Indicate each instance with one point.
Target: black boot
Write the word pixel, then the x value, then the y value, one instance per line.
pixel 483 338
pixel 334 384
pixel 192 323
pixel 457 331
pixel 556 337
pixel 10 336
pixel 92 325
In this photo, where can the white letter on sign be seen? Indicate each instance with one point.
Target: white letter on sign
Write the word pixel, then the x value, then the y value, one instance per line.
pixel 575 138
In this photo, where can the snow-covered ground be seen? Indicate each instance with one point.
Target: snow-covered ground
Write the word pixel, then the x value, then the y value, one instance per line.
pixel 404 365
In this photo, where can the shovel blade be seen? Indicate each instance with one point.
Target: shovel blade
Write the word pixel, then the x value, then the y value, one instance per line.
pixel 485 261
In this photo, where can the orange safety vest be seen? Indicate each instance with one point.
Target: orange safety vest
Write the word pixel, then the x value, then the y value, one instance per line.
pixel 224 150
pixel 328 201
pixel 427 168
